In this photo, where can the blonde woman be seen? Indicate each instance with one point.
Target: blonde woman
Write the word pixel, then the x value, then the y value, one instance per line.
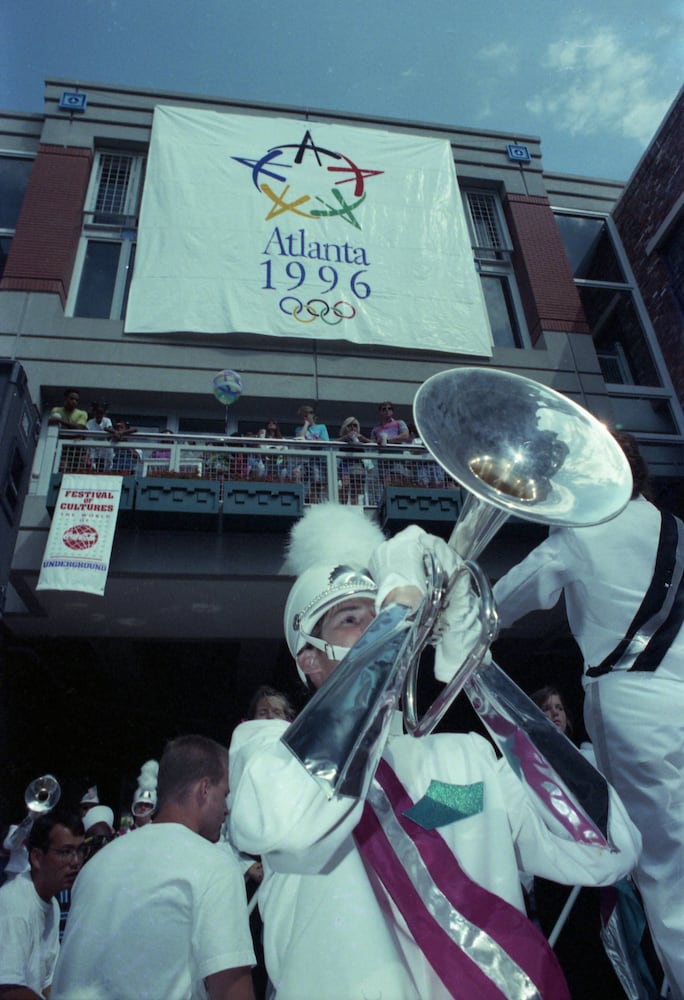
pixel 351 471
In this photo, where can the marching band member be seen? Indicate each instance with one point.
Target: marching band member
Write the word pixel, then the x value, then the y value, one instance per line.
pixel 624 596
pixel 412 891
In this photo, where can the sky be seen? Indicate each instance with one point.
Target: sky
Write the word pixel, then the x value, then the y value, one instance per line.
pixel 593 80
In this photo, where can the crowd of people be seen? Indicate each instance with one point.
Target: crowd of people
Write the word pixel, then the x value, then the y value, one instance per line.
pixel 95 423
pixel 387 865
pixel 365 463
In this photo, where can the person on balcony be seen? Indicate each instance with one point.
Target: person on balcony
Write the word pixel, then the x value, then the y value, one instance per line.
pixel 125 460
pixel 352 470
pixel 311 471
pixel 275 464
pixel 68 416
pixel 100 425
pixel 390 430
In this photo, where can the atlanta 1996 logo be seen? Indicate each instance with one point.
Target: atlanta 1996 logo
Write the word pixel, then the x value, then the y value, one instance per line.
pixel 308 184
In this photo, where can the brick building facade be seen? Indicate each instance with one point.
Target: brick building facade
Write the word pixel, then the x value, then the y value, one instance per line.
pixel 650 220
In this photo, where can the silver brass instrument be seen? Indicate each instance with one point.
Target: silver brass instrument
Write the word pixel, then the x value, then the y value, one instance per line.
pixel 519 448
pixel 41 795
pixel 516 447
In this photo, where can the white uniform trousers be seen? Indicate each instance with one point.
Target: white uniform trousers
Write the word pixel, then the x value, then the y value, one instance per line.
pixel 636 723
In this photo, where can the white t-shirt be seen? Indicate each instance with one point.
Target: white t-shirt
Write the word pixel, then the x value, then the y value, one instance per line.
pixel 151 916
pixel 29 935
pixel 104 425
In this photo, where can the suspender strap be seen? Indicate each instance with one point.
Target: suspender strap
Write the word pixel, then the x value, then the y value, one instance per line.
pixel 477 943
pixel 661 612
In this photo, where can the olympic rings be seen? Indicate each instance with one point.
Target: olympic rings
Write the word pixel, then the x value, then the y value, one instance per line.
pixel 314 312
pixel 343 303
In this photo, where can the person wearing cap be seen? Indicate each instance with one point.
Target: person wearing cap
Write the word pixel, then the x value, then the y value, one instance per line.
pixel 90 798
pixel 145 797
pixel 412 890
pixel 98 824
pixel 144 802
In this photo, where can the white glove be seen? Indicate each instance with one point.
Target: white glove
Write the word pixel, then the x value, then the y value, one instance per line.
pixel 460 627
pixel 400 562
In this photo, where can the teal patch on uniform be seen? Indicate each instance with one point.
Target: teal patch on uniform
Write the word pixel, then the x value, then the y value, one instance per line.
pixel 443 804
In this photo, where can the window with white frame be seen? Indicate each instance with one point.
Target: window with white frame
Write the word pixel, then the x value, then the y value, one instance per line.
pixel 492 249
pixel 608 299
pixel 15 170
pixel 106 254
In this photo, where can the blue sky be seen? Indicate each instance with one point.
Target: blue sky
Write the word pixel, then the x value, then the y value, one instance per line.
pixel 593 80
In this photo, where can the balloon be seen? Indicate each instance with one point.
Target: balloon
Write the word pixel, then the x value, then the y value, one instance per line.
pixel 227 387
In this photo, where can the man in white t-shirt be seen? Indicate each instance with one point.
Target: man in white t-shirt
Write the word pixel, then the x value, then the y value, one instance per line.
pixel 29 912
pixel 99 424
pixel 163 913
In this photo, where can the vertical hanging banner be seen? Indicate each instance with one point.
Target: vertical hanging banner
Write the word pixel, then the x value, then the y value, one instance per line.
pixel 80 541
pixel 304 229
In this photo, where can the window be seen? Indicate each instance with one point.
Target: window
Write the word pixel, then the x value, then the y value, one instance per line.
pixel 114 195
pixel 674 256
pixel 641 394
pixel 589 248
pixel 106 271
pixel 492 249
pixel 486 224
pixel 502 313
pixel 106 255
pixel 14 176
pixel 609 301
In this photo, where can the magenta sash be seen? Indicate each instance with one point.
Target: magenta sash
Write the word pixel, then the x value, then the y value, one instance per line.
pixel 478 944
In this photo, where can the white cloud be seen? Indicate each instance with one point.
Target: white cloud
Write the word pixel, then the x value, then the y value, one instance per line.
pixel 500 50
pixel 502 58
pixel 601 86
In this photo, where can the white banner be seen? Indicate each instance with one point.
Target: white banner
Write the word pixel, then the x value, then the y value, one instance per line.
pixel 302 229
pixel 79 544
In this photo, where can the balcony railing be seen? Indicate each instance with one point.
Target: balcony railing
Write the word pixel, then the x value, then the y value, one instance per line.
pixel 355 474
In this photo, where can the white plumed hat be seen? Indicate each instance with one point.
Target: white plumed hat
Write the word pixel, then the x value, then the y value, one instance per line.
pixel 90 797
pixel 329 550
pixel 147 785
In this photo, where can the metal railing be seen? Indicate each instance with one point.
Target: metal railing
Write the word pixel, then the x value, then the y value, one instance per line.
pixel 350 474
